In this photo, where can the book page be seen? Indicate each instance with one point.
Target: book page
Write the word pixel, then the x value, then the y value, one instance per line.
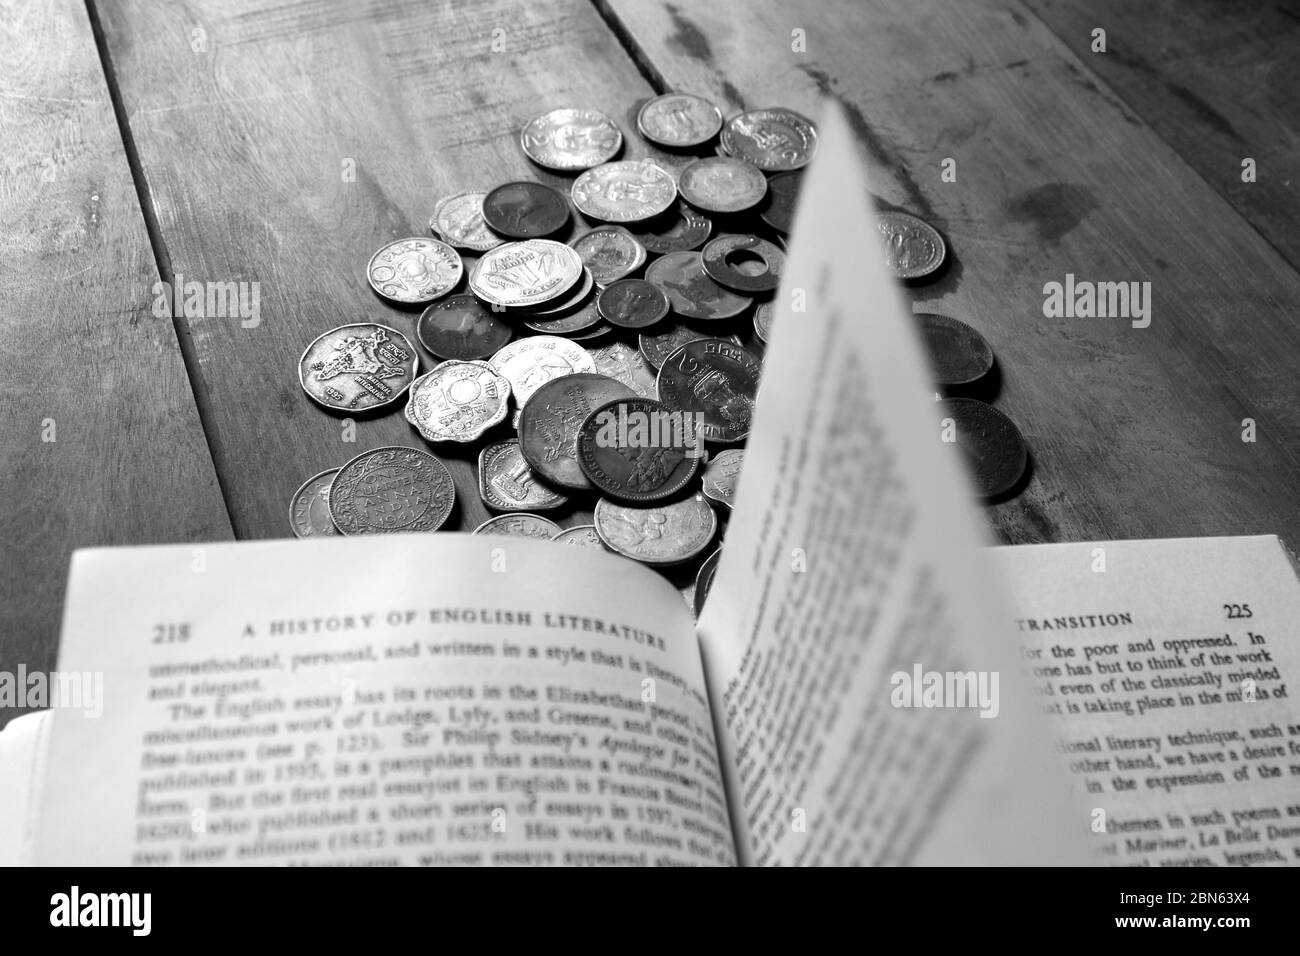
pixel 1172 667
pixel 851 559
pixel 21 745
pixel 415 699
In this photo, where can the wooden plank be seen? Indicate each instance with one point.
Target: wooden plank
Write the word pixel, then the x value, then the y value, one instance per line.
pixel 1215 83
pixel 283 143
pixel 1134 432
pixel 102 443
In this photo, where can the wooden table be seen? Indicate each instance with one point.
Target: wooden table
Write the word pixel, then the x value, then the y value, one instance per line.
pixel 282 143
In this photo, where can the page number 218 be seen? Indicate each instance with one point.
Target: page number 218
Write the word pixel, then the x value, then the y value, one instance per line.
pixel 171 633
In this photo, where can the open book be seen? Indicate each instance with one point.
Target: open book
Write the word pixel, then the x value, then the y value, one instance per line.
pixel 858 689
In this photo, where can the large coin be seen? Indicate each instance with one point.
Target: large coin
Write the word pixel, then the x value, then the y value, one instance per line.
pixel 549 424
pixel 414 271
pixel 991 444
pixel 627 191
pixel 610 252
pixel 716 379
pixel 913 247
pixel 746 264
pixel 681 229
pixel 460 327
pixel 782 194
pixel 632 303
pixel 658 346
pixel 518 275
pixel 309 511
pixel 691 292
pixel 355 368
pixel 722 184
pixel 620 361
pixel 581 536
pixel 459 221
pixel 679 120
pixel 722 476
pixel 773 140
pixel 458 401
pixel 525 210
pixel 391 490
pixel 638 450
pixel 570 139
pixel 658 534
pixel 959 355
pixel 521 525
pixel 506 483
pixel 531 362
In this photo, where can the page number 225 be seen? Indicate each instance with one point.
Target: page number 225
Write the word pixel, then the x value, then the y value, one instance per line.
pixel 1237 611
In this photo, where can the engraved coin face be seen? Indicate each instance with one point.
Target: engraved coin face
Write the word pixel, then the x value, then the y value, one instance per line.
pixel 657 346
pixel 959 355
pixel 774 140
pixel 581 536
pixel 638 450
pixel 610 252
pixel 722 476
pixel 626 191
pixel 458 401
pixel 524 274
pixel 763 320
pixel 570 139
pixel 692 294
pixel 391 490
pixel 782 194
pixel 309 511
pixel 746 264
pixel 530 363
pixel 459 221
pixel 990 443
pixel 355 368
pixel 620 361
pixel 722 184
pixel 460 327
pixel 679 120
pixel 549 424
pixel 632 303
pixel 659 534
pixel 521 525
pixel 506 483
pixel 716 379
pixel 415 270
pixel 913 247
pixel 681 229
pixel 524 210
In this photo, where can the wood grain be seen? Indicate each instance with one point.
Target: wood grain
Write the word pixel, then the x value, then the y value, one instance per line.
pixel 1134 432
pixel 86 362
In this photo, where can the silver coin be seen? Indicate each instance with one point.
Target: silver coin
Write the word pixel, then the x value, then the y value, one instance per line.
pixel 391 490
pixel 679 120
pixel 718 381
pixel 458 401
pixel 581 536
pixel 722 476
pixel 620 361
pixel 658 346
pixel 913 247
pixel 506 483
pixel 528 273
pixel 774 140
pixel 569 323
pixel 309 510
pixel 626 191
pixel 531 362
pixel 459 221
pixel 355 368
pixel 763 316
pixel 415 270
pixel 575 297
pixel 570 139
pixel 722 184
pixel 661 534
pixel 610 252
pixel 521 525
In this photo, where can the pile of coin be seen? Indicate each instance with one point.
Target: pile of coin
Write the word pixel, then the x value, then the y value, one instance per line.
pixel 616 371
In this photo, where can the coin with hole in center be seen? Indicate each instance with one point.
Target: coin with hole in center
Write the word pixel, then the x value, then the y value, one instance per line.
pixel 745 264
pixel 691 293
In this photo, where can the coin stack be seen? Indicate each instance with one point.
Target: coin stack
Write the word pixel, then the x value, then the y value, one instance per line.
pixel 615 371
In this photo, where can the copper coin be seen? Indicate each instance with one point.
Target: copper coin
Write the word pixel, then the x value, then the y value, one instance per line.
pixel 549 423
pixel 525 210
pixel 461 327
pixel 959 355
pixel 391 490
pixel 692 294
pixel 991 445
pixel 632 303
pixel 638 449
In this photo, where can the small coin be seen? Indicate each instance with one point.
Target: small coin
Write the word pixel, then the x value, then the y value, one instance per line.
pixel 460 327
pixel 679 120
pixel 521 525
pixel 522 274
pixel 581 536
pixel 530 363
pixel 704 581
pixel 913 247
pixel 626 191
pixel 659 345
pixel 722 476
pixel 620 361
pixel 414 271
pixel 506 483
pixel 638 450
pixel 722 184
pixel 358 367
pixel 525 210
pixel 692 294
pixel 610 252
pixel 570 139
pixel 550 420
pixel 716 379
pixel 571 300
pixel 569 322
pixel 459 221
pixel 774 140
pixel 763 316
pixel 309 510
pixel 458 401
pixel 391 490
pixel 632 303
pixel 659 534
pixel 959 355
pixel 745 264
pixel 782 194
pixel 991 444
pixel 681 229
